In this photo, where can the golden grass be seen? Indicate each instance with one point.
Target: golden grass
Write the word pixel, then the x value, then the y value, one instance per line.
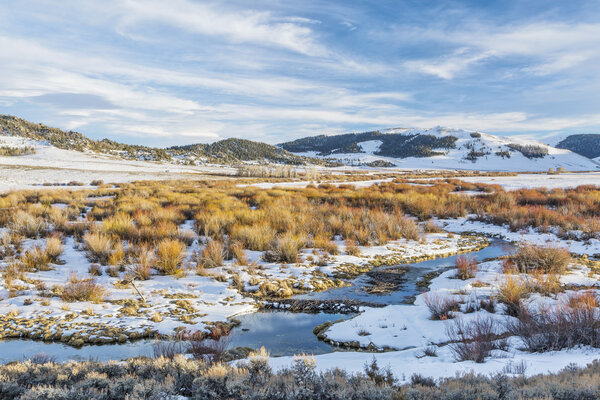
pixel 584 299
pixel 511 292
pixel 284 249
pixel 531 258
pixel 170 254
pixel 27 224
pixel 54 248
pixel 82 290
pixel 36 259
pixel 256 237
pixel 351 248
pixel 237 250
pixel 99 246
pixel 212 255
pixel 144 262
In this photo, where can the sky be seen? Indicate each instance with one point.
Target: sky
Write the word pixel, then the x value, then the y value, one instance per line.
pixel 176 72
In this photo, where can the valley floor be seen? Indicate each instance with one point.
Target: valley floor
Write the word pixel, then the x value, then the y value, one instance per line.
pixel 404 336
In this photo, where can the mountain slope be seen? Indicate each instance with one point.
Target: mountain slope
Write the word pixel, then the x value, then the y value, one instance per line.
pixel 224 151
pixel 587 145
pixel 440 148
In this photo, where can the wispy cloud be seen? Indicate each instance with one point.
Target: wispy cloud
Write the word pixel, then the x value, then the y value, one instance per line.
pixel 547 47
pixel 241 26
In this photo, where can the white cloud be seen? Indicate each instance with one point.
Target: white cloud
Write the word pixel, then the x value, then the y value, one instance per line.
pixel 240 26
pixel 547 47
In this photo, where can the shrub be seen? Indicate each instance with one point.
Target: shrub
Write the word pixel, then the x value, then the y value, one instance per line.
pixel 325 244
pixel 117 257
pixel 409 229
pixel 120 224
pixel 547 259
pixel 99 246
pixel 145 262
pixel 473 340
pixel 584 299
pixel 28 225
pixel 36 259
pixel 432 227
pixel 510 293
pixel 284 249
pixel 508 266
pixel 209 348
pixel 82 290
pixel 54 248
pixel 466 267
pixel 237 250
pixel 212 255
pixel 95 270
pixel 557 328
pixel 170 254
pixel 441 307
pixel 352 248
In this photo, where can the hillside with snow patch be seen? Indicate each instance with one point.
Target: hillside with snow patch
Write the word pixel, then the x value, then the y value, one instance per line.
pixel 441 148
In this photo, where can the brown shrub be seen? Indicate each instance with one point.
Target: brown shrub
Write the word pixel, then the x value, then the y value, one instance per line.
pixel 547 259
pixel 82 290
pixel 441 307
pixel 466 267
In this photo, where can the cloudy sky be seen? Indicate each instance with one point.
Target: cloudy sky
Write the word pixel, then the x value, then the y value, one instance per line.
pixel 183 71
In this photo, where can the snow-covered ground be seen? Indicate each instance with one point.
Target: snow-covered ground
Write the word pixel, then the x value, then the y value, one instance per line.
pixel 589 247
pixel 569 180
pixel 409 330
pixel 190 300
pixel 52 165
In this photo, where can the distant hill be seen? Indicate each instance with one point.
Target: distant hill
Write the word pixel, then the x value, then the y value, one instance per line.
pixel 439 148
pixel 395 145
pixel 224 151
pixel 587 144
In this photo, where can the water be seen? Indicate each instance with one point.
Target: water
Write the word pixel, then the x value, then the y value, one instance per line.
pixel 408 288
pixel 281 332
pixel 21 349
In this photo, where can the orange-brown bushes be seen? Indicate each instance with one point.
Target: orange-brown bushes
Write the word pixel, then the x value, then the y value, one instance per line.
pixel 466 267
pixel 531 258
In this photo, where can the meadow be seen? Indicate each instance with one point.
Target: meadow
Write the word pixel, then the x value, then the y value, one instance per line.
pixel 159 259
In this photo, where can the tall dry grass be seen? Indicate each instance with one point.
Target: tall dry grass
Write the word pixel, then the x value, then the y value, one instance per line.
pixel 170 254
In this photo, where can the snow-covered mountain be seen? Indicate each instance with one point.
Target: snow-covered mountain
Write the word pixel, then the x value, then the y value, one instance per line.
pixel 440 148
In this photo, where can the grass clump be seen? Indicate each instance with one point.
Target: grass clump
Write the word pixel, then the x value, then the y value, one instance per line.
pixel 531 258
pixel 82 290
pixel 212 255
pixel 466 267
pixel 284 249
pixel 170 254
pixel 256 237
pixel 511 292
pixel 36 259
pixel 54 248
pixel 28 225
pixel 144 262
pixel 99 246
pixel 441 307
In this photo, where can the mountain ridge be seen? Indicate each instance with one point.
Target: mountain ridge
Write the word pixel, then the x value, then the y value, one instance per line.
pixel 230 150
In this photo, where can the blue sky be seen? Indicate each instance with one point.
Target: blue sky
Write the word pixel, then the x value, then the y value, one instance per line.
pixel 185 71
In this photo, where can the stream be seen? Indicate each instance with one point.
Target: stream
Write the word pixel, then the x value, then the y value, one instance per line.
pixel 282 333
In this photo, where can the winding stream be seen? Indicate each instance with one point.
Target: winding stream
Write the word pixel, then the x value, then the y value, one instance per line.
pixel 281 332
